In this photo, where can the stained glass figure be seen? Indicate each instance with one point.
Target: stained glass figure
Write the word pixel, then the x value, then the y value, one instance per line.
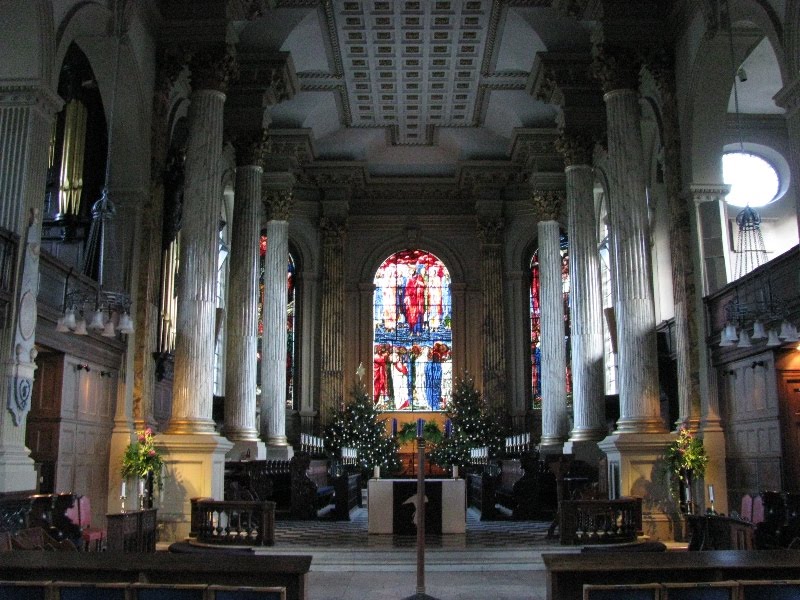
pixel 290 312
pixel 412 366
pixel 535 312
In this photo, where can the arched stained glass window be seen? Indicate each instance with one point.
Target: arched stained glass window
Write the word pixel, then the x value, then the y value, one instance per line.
pixel 291 368
pixel 535 312
pixel 412 366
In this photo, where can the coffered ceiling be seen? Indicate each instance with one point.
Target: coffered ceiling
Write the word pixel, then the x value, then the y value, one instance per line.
pixel 414 87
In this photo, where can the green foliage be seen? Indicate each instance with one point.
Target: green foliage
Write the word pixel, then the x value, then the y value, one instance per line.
pixel 358 426
pixel 141 458
pixel 685 459
pixel 473 426
pixel 430 433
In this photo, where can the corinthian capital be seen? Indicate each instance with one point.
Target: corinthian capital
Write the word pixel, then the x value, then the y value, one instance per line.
pixel 576 148
pixel 278 203
pixel 616 68
pixel 547 204
pixel 490 231
pixel 251 147
pixel 333 232
pixel 213 68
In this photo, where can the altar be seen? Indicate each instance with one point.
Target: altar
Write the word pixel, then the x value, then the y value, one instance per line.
pixel 391 506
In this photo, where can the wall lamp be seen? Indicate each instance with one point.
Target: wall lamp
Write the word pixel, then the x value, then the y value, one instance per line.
pixel 82 367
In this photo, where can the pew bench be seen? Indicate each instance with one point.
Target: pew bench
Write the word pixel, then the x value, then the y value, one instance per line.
pixel 221 577
pixel 567 574
pixel 312 490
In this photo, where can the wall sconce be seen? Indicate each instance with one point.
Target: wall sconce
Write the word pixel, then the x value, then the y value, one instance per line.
pixel 106 374
pixel 82 367
pixel 757 363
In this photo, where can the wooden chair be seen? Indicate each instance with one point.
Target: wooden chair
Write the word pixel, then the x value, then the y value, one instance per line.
pixel 769 590
pixel 707 590
pixel 639 591
pixel 75 590
pixel 92 536
pixel 27 590
pixel 224 592
pixel 167 591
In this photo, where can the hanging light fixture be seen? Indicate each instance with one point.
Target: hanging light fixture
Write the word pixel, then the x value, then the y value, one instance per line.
pixel 108 311
pixel 765 314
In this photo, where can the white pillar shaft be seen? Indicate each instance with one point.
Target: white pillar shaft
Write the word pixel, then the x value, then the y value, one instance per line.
pixel 25 118
pixel 240 380
pixel 554 352
pixel 586 308
pixel 197 278
pixel 638 360
pixel 273 354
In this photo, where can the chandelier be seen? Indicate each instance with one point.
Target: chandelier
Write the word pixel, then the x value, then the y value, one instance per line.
pixel 763 318
pixel 101 309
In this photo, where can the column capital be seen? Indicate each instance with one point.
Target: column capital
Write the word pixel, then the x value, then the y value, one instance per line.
pixel 616 68
pixel 576 148
pixel 250 147
pixel 709 192
pixel 547 204
pixel 170 61
pixel 213 67
pixel 33 95
pixel 333 232
pixel 490 231
pixel 661 65
pixel 278 203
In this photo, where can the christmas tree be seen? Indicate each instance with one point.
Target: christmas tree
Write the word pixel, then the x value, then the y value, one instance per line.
pixel 473 426
pixel 358 425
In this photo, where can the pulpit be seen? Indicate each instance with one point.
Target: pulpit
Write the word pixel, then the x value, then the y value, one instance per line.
pixel 392 506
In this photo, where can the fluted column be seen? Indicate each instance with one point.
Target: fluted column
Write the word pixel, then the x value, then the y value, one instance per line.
pixel 278 202
pixel 26 114
pixel 554 351
pixel 193 386
pixel 688 350
pixel 630 230
pixel 241 355
pixel 586 306
pixel 332 337
pixel 490 233
pixel 789 99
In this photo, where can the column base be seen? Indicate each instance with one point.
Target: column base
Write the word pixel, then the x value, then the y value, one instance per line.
pixel 635 469
pixel 282 452
pixel 584 450
pixel 17 470
pixel 247 450
pixel 194 467
pixel 551 446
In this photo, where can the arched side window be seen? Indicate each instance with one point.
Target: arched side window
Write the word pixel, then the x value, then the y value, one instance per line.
pixel 609 321
pixel 535 316
pixel 291 348
pixel 412 364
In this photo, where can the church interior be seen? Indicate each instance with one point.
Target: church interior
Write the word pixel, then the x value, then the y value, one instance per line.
pixel 225 223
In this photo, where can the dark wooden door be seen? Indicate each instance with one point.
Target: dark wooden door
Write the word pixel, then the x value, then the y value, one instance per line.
pixel 789 389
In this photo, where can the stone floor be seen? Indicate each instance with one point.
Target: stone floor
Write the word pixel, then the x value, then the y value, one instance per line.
pixel 498 560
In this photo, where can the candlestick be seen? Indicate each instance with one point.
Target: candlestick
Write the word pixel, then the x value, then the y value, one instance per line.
pixel 711 494
pixel 122 493
pixel 420 425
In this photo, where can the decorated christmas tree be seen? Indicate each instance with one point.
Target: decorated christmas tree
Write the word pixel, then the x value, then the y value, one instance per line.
pixel 472 425
pixel 358 425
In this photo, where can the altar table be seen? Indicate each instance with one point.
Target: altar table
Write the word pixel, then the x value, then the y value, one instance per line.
pixel 392 504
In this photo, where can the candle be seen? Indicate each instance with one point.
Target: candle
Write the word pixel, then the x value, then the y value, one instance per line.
pixel 420 424
pixel 687 494
pixel 376 472
pixel 141 487
pixel 394 427
pixel 122 492
pixel 711 494
pixel 448 428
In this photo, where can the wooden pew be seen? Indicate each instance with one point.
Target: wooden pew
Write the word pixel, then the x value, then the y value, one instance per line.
pixel 568 573
pixel 312 490
pixel 164 568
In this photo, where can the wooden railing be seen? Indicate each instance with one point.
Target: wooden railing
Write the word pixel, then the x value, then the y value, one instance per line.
pixel 600 521
pixel 237 522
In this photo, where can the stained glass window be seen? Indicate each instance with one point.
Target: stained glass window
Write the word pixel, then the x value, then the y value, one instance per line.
pixel 535 312
pixel 412 365
pixel 291 369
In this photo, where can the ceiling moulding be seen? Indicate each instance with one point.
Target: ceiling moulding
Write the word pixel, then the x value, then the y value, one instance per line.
pixel 272 72
pixel 535 149
pixel 296 143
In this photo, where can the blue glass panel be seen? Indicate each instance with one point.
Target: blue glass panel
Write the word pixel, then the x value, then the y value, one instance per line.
pixel 412 366
pixel 169 593
pixel 91 592
pixel 771 591
pixel 246 595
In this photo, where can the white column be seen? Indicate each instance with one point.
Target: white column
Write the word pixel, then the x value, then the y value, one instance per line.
pixel 241 356
pixel 789 99
pixel 638 359
pixel 554 351
pixel 194 456
pixel 278 200
pixel 586 306
pixel 26 114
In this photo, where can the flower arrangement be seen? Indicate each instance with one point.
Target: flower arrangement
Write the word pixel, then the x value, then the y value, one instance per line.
pixel 685 459
pixel 141 458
